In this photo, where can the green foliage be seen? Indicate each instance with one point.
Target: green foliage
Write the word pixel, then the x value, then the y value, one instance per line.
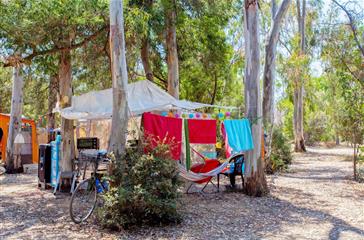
pixel 210 68
pixel 343 62
pixel 5 90
pixel 361 164
pixel 321 110
pixel 281 155
pixel 285 105
pixel 317 128
pixel 29 26
pixel 205 55
pixel 145 192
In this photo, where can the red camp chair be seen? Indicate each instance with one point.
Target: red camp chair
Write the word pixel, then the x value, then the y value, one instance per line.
pixel 206 166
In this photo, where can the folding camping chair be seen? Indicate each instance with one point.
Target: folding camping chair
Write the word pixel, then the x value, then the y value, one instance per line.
pixel 203 168
pixel 200 178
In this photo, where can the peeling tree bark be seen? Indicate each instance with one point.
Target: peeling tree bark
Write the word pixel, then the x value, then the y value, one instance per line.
pixel 15 117
pixel 172 56
pixel 270 61
pixel 299 85
pixel 145 48
pixel 53 91
pixel 256 184
pixel 65 92
pixel 119 81
pixel 355 160
pixel 144 52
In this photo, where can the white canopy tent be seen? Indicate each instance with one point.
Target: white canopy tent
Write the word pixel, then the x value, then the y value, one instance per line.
pixel 143 96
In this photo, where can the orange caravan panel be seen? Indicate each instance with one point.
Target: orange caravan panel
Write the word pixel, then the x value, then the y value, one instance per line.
pixel 4 126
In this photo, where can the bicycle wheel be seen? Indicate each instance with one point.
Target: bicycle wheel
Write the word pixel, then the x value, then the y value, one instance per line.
pixel 83 201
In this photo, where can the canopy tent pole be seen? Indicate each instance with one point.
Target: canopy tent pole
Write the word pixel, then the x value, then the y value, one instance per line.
pixel 88 128
pixel 187 141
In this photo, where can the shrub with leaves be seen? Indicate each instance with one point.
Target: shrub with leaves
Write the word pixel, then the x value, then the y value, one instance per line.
pixel 146 194
pixel 318 129
pixel 281 155
pixel 360 164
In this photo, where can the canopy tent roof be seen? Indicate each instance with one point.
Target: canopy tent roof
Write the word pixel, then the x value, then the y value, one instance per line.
pixel 143 96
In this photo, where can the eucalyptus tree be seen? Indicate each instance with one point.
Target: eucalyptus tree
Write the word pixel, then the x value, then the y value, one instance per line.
pixel 256 184
pixel 15 117
pixel 31 29
pixel 299 83
pixel 171 46
pixel 270 59
pixel 343 58
pixel 146 46
pixel 352 23
pixel 208 66
pixel 119 81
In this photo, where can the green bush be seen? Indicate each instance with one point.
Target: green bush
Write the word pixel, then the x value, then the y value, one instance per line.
pixel 146 193
pixel 360 164
pixel 318 129
pixel 281 155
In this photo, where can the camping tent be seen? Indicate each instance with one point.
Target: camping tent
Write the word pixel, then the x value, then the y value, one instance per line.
pixel 143 96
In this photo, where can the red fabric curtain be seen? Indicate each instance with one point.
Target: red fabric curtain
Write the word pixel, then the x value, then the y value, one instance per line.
pixel 202 131
pixel 167 128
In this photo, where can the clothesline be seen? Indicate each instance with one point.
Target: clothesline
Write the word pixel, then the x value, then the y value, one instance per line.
pixel 237 133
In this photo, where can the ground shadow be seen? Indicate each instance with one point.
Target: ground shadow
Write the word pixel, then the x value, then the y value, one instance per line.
pixel 313 153
pixel 257 217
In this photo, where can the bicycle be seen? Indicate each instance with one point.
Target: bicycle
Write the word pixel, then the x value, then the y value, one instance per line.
pixel 84 197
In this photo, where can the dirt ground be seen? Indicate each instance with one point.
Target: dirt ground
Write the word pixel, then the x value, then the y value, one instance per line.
pixel 315 199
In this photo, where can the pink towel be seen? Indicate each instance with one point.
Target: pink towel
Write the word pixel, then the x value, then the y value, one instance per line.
pixel 164 127
pixel 228 149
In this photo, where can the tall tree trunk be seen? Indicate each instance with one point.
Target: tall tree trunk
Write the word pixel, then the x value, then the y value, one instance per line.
pixel 273 9
pixel 145 48
pixel 270 61
pixel 53 91
pixel 215 90
pixel 108 54
pixel 144 52
pixel 119 81
pixel 355 159
pixel 256 184
pixel 172 56
pixel 299 84
pixel 65 92
pixel 15 117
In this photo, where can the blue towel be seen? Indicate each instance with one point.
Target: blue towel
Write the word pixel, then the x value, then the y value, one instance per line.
pixel 239 134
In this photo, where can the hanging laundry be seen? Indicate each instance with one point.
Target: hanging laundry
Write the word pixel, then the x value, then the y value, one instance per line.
pixel 202 131
pixel 167 128
pixel 237 135
pixel 228 150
